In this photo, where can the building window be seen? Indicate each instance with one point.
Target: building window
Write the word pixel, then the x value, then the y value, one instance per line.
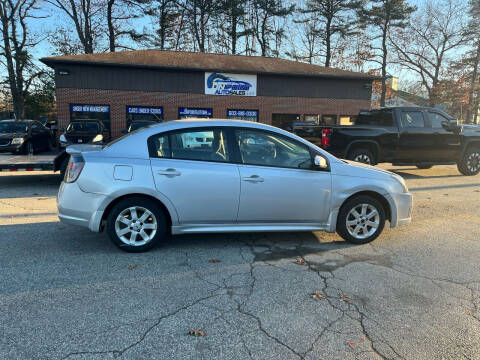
pixel 249 115
pixel 91 112
pixel 346 120
pixel 311 118
pixel 329 119
pixel 285 121
pixel 199 113
pixel 144 113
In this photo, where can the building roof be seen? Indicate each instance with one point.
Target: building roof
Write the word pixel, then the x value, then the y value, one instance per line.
pixel 205 62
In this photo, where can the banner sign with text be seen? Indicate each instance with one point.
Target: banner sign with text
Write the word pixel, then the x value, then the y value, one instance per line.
pixel 90 108
pixel 144 110
pixel 194 112
pixel 230 84
pixel 242 113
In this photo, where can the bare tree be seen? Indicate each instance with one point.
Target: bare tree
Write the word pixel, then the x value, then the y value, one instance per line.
pixel 119 13
pixel 473 59
pixel 199 13
pixel 381 16
pixel 427 44
pixel 15 49
pixel 167 16
pixel 330 18
pixel 87 18
pixel 265 11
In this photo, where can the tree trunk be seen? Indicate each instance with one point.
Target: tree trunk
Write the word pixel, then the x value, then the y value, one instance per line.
pixel 234 33
pixel 111 30
pixel 384 66
pixel 471 91
pixel 328 36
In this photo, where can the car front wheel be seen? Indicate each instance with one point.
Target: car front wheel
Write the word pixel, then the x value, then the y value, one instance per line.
pixel 136 224
pixel 470 163
pixel 361 220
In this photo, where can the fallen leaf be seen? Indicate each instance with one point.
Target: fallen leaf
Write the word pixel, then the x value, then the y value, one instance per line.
pixel 42 198
pixel 318 295
pixel 197 332
pixel 213 261
pixel 353 343
pixel 132 267
pixel 343 297
pixel 300 261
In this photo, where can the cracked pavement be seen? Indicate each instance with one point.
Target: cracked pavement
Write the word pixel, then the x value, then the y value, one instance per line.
pixel 414 293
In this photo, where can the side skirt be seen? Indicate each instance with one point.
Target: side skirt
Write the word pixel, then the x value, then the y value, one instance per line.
pixel 247 227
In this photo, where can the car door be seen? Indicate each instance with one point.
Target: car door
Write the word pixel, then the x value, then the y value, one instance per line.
pixel 278 180
pixel 447 144
pixel 416 140
pixel 192 168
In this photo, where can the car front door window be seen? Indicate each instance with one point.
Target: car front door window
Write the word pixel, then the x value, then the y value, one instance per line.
pixel 267 149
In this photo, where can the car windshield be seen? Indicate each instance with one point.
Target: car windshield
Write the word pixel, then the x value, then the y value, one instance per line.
pixel 13 127
pixel 138 125
pixel 83 126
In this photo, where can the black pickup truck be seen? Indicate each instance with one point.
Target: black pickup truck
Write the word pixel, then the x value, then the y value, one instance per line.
pixel 402 136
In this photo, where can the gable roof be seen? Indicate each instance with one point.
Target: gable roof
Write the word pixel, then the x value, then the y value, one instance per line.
pixel 205 62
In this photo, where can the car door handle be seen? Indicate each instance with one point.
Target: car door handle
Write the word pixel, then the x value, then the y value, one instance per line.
pixel 169 172
pixel 253 178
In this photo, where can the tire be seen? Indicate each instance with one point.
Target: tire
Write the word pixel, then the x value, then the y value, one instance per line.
pixel 28 148
pixel 470 163
pixel 362 155
pixel 366 233
pixel 156 221
pixel 424 166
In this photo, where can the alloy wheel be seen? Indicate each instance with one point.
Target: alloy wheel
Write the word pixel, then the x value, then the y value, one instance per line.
pixel 473 162
pixel 363 158
pixel 136 226
pixel 363 221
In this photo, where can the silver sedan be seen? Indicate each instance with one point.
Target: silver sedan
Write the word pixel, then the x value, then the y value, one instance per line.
pixel 199 176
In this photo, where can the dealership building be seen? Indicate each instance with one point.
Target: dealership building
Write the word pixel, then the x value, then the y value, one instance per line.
pixel 166 85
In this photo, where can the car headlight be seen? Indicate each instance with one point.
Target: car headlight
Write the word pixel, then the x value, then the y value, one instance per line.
pixel 402 182
pixel 98 138
pixel 63 138
pixel 17 141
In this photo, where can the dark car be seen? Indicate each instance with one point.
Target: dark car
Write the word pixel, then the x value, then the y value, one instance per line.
pixel 84 132
pixel 24 136
pixel 417 136
pixel 135 125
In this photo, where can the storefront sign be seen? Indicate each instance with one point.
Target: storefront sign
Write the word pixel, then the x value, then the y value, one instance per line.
pixel 230 84
pixel 194 112
pixel 144 110
pixel 90 108
pixel 242 113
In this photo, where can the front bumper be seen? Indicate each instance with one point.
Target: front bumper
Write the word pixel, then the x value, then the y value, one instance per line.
pixel 401 208
pixel 77 207
pixel 10 148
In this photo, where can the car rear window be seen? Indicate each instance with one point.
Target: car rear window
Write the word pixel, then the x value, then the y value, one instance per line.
pixel 376 118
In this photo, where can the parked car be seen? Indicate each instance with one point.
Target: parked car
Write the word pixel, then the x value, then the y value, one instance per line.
pixel 150 184
pixel 25 136
pixel 138 124
pixel 84 132
pixel 417 136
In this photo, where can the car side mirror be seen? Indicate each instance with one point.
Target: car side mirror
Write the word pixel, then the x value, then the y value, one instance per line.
pixel 320 162
pixel 450 126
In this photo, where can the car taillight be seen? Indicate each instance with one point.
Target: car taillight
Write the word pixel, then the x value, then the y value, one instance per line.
pixel 326 137
pixel 74 168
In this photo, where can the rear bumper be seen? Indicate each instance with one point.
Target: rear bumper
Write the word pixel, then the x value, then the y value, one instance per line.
pixel 401 208
pixel 77 207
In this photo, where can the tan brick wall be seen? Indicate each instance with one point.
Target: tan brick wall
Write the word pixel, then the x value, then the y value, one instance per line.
pixel 118 100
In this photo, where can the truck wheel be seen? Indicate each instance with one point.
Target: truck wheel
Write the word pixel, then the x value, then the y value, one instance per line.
pixel 470 163
pixel 361 220
pixel 362 156
pixel 424 166
pixel 136 224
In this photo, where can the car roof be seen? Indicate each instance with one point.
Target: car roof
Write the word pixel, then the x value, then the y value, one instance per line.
pixel 18 121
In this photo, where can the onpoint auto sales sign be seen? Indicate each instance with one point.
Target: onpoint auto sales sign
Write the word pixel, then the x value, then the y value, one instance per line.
pixel 230 84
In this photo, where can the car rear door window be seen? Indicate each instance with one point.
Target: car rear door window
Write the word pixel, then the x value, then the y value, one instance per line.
pixel 268 149
pixel 412 119
pixel 200 145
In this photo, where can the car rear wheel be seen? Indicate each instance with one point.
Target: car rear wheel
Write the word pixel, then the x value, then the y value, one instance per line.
pixel 470 163
pixel 136 224
pixel 361 220
pixel 362 156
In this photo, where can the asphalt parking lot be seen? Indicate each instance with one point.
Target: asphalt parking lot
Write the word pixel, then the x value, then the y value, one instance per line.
pixel 414 293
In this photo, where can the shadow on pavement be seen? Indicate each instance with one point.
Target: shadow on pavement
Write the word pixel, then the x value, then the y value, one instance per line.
pixel 406 175
pixel 28 185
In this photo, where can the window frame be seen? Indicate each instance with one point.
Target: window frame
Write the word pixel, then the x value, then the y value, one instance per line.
pixel 141 106
pixel 312 152
pixel 425 123
pixel 152 149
